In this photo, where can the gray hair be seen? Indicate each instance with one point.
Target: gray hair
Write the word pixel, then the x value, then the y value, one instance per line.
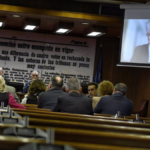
pixel 73 84
pixel 121 87
pixel 35 71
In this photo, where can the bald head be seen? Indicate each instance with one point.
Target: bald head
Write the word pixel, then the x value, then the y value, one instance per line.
pixel 1 71
pixel 56 81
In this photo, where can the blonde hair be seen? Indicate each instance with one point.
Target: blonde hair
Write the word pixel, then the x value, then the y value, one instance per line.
pixel 105 88
pixel 2 85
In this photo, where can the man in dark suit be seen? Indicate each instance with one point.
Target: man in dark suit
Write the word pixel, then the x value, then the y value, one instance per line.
pixel 49 98
pixel 34 76
pixel 116 102
pixel 74 102
pixel 142 53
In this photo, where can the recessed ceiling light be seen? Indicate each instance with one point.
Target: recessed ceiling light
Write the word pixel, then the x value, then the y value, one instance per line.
pixel 29 27
pixel 85 23
pixel 17 16
pixel 62 30
pixel 1 23
pixel 95 34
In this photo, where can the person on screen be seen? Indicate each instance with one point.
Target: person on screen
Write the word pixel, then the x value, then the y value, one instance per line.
pixel 142 53
pixel 34 76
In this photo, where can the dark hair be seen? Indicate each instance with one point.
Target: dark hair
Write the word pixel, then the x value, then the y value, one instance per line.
pixel 121 87
pixel 93 83
pixel 56 83
pixel 84 87
pixel 36 87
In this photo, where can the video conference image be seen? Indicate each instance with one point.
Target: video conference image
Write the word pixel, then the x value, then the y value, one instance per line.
pixel 136 41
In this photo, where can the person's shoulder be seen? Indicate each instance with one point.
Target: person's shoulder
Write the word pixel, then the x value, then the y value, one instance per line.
pixel 129 101
pixel 42 93
pixel 141 47
pixel 86 98
pixel 96 98
pixel 28 82
pixel 10 88
pixel 64 95
pixel 106 97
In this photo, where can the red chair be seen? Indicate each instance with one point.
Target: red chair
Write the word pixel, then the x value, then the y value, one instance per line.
pixel 142 108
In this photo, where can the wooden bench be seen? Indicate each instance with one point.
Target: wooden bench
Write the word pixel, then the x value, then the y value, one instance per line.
pixel 79 138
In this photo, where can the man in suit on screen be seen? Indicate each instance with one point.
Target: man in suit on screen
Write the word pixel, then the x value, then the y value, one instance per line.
pixel 142 53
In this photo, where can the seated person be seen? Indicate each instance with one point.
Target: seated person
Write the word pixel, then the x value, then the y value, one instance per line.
pixel 116 102
pixel 34 76
pixel 36 87
pixel 12 90
pixel 92 89
pixel 74 102
pixel 84 88
pixel 48 99
pixel 2 74
pixel 105 88
pixel 6 97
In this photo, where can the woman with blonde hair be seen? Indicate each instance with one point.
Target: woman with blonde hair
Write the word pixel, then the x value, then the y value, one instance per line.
pixel 6 97
pixel 105 88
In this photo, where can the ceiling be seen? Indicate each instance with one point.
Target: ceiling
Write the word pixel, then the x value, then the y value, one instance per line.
pixel 51 17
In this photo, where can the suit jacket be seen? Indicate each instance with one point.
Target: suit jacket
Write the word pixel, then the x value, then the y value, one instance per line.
pixel 114 103
pixel 26 87
pixel 12 90
pixel 140 54
pixel 74 103
pixel 49 98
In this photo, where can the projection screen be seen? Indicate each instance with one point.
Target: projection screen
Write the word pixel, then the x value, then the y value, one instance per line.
pixel 135 42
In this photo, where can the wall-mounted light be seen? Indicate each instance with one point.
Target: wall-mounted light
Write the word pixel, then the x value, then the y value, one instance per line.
pixel 64 28
pixel 16 16
pixel 31 24
pixel 85 23
pixel 2 21
pixel 95 31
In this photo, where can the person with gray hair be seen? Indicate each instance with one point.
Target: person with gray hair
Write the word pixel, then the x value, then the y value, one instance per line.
pixel 116 102
pixel 74 102
pixel 142 53
pixel 34 76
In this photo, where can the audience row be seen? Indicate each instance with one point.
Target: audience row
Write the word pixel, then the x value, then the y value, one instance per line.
pixel 74 97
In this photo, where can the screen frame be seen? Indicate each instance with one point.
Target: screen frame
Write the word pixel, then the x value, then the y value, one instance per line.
pixel 129 64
